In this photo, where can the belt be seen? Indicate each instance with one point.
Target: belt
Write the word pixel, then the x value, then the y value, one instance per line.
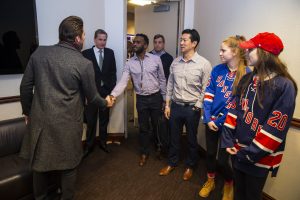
pixel 184 104
pixel 149 95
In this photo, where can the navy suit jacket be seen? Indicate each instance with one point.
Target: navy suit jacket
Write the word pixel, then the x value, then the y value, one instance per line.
pixel 108 73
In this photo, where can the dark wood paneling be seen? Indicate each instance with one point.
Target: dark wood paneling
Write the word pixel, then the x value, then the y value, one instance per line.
pixel 296 122
pixel 10 99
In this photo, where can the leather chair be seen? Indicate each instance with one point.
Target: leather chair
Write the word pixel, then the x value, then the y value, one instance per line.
pixel 15 175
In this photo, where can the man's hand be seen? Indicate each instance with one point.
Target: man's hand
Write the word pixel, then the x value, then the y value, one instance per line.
pixel 26 119
pixel 110 101
pixel 112 98
pixel 232 150
pixel 167 112
pixel 212 126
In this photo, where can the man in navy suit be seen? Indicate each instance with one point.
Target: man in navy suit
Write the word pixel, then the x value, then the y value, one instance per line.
pixel 104 65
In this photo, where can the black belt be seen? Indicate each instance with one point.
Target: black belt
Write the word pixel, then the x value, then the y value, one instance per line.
pixel 184 104
pixel 149 95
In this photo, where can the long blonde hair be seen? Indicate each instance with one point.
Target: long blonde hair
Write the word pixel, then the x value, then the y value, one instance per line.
pixel 233 43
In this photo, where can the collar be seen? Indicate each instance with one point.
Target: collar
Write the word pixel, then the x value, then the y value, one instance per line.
pixel 67 45
pixel 97 49
pixel 195 58
pixel 158 53
pixel 136 58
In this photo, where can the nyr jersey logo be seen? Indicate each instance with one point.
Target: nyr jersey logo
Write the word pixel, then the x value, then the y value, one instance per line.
pixel 221 83
pixel 231 104
pixel 219 79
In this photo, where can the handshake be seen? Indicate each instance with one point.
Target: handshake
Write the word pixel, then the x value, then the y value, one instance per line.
pixel 110 100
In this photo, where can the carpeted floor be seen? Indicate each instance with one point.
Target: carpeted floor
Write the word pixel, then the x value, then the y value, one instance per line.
pixel 117 176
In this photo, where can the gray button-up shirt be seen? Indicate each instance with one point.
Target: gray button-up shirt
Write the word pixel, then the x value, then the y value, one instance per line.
pixel 188 80
pixel 147 75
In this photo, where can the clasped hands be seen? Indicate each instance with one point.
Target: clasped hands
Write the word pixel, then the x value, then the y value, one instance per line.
pixel 110 100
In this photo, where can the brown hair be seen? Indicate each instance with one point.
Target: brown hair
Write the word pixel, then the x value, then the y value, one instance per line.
pixel 70 28
pixel 159 36
pixel 268 63
pixel 233 43
pixel 99 31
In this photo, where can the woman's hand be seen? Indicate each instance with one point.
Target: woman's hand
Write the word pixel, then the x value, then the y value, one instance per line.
pixel 232 150
pixel 212 126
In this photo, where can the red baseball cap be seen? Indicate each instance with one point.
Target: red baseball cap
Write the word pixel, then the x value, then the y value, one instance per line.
pixel 266 41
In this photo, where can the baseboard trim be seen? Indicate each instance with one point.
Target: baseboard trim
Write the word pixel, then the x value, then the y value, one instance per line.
pixel 267 197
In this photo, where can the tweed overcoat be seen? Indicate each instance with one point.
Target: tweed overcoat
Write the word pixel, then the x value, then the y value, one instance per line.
pixel 56 82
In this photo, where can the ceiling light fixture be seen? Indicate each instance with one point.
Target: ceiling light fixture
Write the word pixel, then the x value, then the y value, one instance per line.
pixel 141 2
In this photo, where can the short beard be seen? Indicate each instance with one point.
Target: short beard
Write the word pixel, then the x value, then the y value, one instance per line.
pixel 78 45
pixel 139 51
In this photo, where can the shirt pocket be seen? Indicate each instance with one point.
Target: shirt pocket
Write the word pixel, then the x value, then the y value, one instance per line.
pixel 193 77
pixel 178 75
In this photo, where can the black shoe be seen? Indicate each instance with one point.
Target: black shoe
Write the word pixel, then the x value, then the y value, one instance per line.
pixel 87 151
pixel 103 146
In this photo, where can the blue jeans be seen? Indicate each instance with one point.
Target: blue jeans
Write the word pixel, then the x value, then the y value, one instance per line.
pixel 183 115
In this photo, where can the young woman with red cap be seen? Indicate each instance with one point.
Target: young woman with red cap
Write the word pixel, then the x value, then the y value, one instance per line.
pixel 219 91
pixel 256 125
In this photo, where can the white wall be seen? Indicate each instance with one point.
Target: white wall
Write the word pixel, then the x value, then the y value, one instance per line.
pixel 189 12
pixel 286 185
pixel 95 14
pixel 217 19
pixel 165 23
pixel 51 13
pixel 116 27
pixel 9 86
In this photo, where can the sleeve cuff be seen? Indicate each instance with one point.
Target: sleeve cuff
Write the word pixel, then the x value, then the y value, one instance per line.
pixel 199 104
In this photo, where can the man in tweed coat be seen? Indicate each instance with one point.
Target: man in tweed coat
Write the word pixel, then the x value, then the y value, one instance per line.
pixel 53 90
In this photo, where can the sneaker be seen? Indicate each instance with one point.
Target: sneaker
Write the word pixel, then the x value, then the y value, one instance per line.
pixel 228 192
pixel 208 186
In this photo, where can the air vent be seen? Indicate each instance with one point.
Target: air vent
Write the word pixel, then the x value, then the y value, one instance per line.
pixel 161 8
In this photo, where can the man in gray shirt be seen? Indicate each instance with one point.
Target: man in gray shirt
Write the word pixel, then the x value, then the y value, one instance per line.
pixel 147 74
pixel 189 74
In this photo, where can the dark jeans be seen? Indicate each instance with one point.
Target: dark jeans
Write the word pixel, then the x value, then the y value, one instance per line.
pixel 148 107
pixel 183 115
pixel 212 148
pixel 67 181
pixel 91 113
pixel 247 187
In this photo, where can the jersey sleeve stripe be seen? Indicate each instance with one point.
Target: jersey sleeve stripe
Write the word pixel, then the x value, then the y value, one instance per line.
pixel 269 142
pixel 230 121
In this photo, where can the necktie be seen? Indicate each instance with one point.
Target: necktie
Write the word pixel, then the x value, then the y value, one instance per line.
pixel 100 59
